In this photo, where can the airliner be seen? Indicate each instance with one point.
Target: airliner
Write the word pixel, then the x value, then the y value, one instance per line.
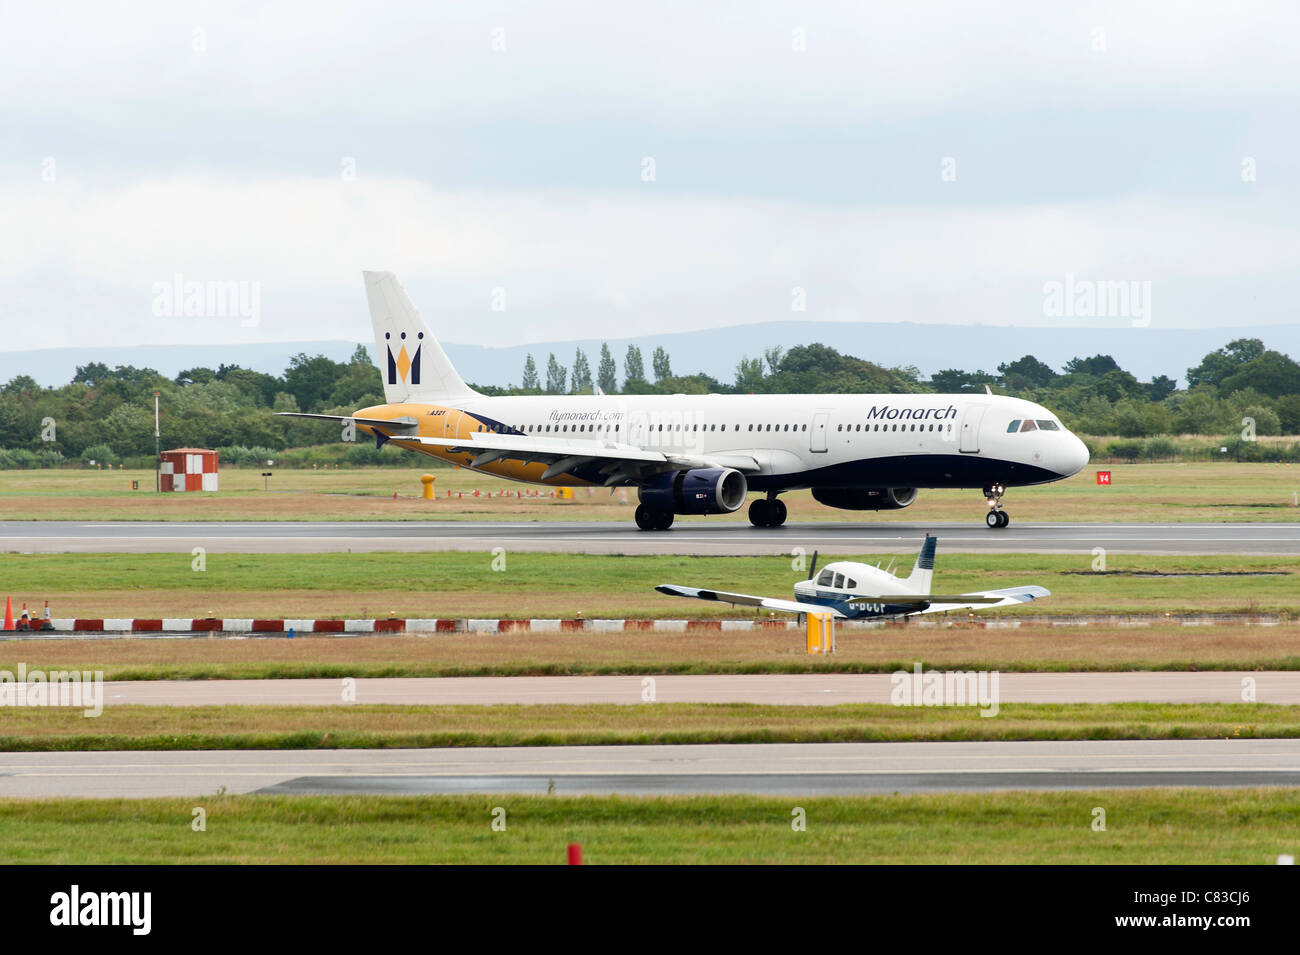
pixel 705 454
pixel 854 590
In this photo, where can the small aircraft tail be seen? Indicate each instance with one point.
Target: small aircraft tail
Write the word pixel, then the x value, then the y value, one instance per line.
pixel 411 362
pixel 923 571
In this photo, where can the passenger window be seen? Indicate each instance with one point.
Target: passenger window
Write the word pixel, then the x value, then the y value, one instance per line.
pixel 851 584
pixel 839 582
pixel 1048 426
pixel 1028 426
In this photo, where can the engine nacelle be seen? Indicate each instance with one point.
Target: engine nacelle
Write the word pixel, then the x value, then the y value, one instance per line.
pixel 697 491
pixel 865 498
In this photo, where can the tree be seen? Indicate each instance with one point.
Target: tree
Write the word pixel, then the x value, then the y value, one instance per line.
pixel 633 368
pixel 1027 372
pixel 773 356
pixel 662 367
pixel 556 374
pixel 91 374
pixel 1096 366
pixel 312 380
pixel 581 374
pixel 749 375
pixel 1161 387
pixel 1270 373
pixel 607 371
pixel 1228 360
pixel 360 356
pixel 193 376
pixel 530 382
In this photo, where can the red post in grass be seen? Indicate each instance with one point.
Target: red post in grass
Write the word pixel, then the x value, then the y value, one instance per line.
pixel 575 853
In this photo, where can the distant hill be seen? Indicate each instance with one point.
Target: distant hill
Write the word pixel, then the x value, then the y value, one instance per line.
pixel 1146 352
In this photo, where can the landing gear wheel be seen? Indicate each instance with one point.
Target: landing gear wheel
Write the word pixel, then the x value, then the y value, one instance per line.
pixel 776 513
pixel 760 513
pixel 1003 518
pixel 994 519
pixel 653 520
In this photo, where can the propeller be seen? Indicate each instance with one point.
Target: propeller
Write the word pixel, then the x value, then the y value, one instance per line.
pixel 813 569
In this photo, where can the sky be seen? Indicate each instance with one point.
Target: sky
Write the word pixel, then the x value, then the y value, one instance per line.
pixel 176 173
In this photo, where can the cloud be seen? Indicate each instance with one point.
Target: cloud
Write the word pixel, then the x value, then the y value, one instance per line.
pixel 571 262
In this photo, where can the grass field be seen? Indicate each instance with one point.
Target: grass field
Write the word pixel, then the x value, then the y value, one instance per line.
pixel 386 727
pixel 885 650
pixel 465 584
pixel 1139 492
pixel 1239 826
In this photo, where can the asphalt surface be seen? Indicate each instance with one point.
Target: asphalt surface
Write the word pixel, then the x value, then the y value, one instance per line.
pixel 720 536
pixel 775 689
pixel 805 769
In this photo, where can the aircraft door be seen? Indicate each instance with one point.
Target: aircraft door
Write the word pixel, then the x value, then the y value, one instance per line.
pixel 451 423
pixel 970 428
pixel 817 436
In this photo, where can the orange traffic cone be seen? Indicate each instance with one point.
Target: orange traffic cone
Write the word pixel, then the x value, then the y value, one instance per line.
pixel 9 613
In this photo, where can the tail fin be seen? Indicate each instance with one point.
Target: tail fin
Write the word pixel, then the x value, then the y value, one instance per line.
pixel 924 569
pixel 411 362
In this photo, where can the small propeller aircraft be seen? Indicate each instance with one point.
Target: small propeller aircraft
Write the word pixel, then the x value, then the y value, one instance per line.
pixel 853 590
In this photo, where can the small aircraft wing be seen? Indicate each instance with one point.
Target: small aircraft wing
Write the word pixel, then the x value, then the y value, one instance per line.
pixel 747 600
pixel 986 599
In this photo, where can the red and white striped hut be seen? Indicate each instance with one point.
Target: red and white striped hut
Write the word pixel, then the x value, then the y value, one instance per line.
pixel 188 469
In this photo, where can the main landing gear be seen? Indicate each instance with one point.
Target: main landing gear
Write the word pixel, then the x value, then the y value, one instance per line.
pixel 653 520
pixel 767 512
pixel 997 517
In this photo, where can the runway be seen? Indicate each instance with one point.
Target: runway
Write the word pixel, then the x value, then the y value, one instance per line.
pixel 720 536
pixel 801 689
pixel 788 769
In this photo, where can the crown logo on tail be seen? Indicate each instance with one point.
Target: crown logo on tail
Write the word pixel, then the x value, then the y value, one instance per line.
pixel 402 365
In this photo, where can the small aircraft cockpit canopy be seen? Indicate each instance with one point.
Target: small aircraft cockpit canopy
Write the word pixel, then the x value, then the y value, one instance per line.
pixel 1029 424
pixel 835 580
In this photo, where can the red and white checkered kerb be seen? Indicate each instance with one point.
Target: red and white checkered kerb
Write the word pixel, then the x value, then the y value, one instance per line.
pixel 188 469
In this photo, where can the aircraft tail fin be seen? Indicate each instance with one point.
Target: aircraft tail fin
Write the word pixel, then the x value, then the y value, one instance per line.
pixel 411 362
pixel 923 571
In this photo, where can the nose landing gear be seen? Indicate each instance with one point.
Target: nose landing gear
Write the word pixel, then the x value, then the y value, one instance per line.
pixel 996 517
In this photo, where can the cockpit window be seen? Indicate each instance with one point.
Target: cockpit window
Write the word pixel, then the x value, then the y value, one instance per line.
pixel 1029 425
pixel 1048 426
pixel 826 578
pixel 1013 427
pixel 839 581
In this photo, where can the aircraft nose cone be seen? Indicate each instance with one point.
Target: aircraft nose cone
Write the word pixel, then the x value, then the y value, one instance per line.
pixel 1075 457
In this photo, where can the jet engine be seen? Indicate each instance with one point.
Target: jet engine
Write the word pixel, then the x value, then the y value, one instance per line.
pixel 865 498
pixel 697 491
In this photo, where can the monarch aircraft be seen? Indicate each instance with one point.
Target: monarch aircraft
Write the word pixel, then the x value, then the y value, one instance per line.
pixel 850 589
pixel 704 454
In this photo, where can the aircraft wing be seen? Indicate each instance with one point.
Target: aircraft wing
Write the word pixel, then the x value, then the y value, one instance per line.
pixel 985 599
pixel 747 600
pixel 621 462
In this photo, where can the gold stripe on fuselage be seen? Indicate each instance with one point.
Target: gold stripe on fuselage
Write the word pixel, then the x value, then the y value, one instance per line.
pixel 438 421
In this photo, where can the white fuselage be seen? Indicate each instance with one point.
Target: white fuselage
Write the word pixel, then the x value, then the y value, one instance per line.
pixel 829 440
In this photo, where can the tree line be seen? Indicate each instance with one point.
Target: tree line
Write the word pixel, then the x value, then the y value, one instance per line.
pixel 106 414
